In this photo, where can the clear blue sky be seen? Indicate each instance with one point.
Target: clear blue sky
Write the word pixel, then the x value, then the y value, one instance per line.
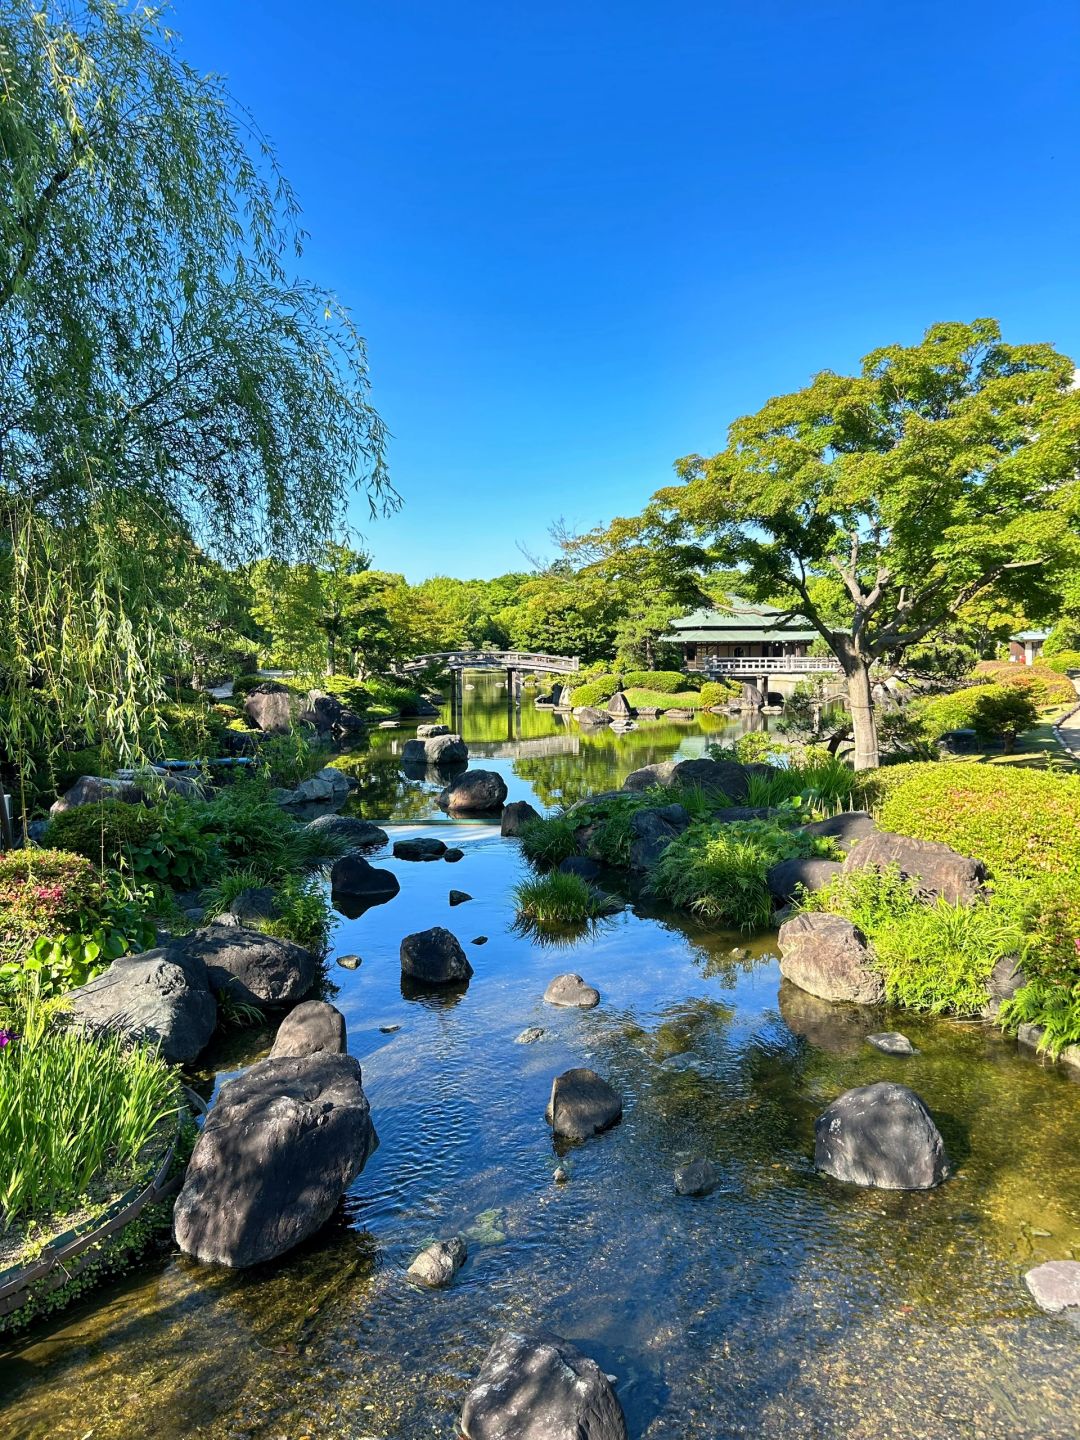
pixel 581 237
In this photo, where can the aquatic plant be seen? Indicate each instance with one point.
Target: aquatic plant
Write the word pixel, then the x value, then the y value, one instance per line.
pixel 549 841
pixel 559 899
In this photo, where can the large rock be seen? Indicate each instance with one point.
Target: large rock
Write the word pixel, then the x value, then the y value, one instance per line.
pixel 269 707
pixel 434 957
pixel 650 775
pixel 582 866
pixel 882 1136
pixel 571 992
pixel 516 815
pixel 436 750
pixel 157 997
pixel 536 1386
pixel 430 732
pixel 829 956
pixel 1055 1285
pixel 276 1153
pixel 477 792
pixel 847 828
pixel 619 708
pixel 420 847
pixel 787 877
pixel 582 1104
pixel 310 1029
pixel 933 870
pixel 587 715
pixel 439 1263
pixel 719 777
pixel 360 834
pixel 325 787
pixel 697 1177
pixel 652 831
pixel 92 789
pixel 254 968
pixel 354 877
pixel 329 717
pixel 257 902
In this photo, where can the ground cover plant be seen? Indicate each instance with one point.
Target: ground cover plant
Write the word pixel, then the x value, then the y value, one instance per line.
pixel 302 910
pixel 76 1113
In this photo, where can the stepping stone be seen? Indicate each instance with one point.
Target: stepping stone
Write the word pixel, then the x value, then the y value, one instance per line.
pixel 389 1029
pixel 892 1043
pixel 459 897
pixel 531 1035
pixel 1056 1285
pixel 571 992
pixel 698 1177
pixel 421 848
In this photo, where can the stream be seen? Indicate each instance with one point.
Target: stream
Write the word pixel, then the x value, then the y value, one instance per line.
pixel 783 1304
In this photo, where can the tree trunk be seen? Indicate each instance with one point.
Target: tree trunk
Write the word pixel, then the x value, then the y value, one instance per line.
pixel 861 705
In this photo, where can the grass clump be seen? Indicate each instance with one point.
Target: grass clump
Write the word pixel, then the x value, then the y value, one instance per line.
pixel 547 842
pixel 718 871
pixel 302 910
pixel 558 899
pixel 76 1113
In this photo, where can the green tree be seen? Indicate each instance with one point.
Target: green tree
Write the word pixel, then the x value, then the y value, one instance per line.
pixel 162 372
pixel 942 473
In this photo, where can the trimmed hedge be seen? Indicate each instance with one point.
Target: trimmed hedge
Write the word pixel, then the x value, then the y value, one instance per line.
pixel 1065 661
pixel 1020 823
pixel 1047 687
pixel 669 682
pixel 995 712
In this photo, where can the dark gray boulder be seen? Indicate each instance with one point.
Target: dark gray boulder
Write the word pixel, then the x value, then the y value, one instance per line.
pixel 881 1136
pixel 891 1042
pixel 92 789
pixel 719 777
pixel 453 855
pixel 255 903
pixel 252 967
pixel 359 834
pixel 420 847
pixel 270 707
pixel 352 876
pixel 516 815
pixel 582 1104
pixel 459 897
pixel 571 992
pixel 933 870
pixel 309 1029
pixel 328 717
pixel 697 1177
pixel 431 732
pixel 619 708
pixel 276 1153
pixel 434 957
pixel 587 715
pixel 829 956
pixel 328 786
pixel 536 1386
pixel 477 792
pixel 439 1263
pixel 652 831
pixel 787 877
pixel 582 866
pixel 847 828
pixel 157 997
pixel 729 814
pixel 650 775
pixel 1055 1286
pixel 436 750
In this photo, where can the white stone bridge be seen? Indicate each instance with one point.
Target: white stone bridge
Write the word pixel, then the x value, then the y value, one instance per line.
pixel 519 661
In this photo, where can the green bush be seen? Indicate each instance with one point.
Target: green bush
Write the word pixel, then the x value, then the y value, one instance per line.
pixel 1045 686
pixel 105 832
pixel 667 682
pixel 1064 661
pixel 717 692
pixel 931 957
pixel 1018 822
pixel 76 1111
pixel 191 730
pixel 303 909
pixel 997 713
pixel 1055 1008
pixel 558 899
pixel 596 692
pixel 718 871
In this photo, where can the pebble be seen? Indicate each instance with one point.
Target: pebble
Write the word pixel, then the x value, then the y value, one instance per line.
pixel 348 962
pixel 479 940
pixel 1056 1285
pixel 389 1029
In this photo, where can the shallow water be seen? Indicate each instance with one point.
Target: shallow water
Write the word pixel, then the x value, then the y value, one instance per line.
pixel 783 1304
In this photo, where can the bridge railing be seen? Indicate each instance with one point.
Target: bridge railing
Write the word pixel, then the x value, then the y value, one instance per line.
pixel 765 665
pixel 494 660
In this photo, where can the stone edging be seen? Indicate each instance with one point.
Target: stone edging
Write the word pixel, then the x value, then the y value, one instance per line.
pixel 1065 740
pixel 52 1268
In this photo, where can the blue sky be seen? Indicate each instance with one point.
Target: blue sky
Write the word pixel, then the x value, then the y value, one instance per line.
pixel 581 238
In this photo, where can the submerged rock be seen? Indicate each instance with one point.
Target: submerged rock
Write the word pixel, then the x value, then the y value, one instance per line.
pixel 349 962
pixel 891 1042
pixel 459 897
pixel 274 1157
pixel 158 997
pixel 933 870
pixel 1056 1285
pixel 434 957
pixel 697 1177
pixel 582 1104
pixel 477 792
pixel 828 956
pixel 570 991
pixel 516 815
pixel 881 1136
pixel 439 1263
pixel 453 855
pixel 582 866
pixel 310 1029
pixel 530 1036
pixel 536 1386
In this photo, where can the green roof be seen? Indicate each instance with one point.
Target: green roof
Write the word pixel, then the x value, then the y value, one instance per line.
pixel 737 637
pixel 742 621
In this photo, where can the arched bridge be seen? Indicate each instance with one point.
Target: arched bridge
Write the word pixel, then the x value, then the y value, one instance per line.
pixel 519 660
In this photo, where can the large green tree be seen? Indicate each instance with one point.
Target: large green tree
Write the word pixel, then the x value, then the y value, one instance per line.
pixel 941 474
pixel 162 369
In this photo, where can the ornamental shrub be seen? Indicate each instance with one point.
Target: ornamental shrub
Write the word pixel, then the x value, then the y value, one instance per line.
pixel 596 692
pixel 1046 686
pixel 1064 661
pixel 997 713
pixel 668 682
pixel 718 692
pixel 105 832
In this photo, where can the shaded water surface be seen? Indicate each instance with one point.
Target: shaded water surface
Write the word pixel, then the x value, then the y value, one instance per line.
pixel 783 1304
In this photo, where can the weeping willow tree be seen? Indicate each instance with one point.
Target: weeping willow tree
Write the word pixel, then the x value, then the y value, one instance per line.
pixel 165 380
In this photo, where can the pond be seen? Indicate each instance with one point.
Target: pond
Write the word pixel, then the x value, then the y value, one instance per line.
pixel 783 1304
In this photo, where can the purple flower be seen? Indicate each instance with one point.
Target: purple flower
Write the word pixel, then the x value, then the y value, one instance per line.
pixel 6 1037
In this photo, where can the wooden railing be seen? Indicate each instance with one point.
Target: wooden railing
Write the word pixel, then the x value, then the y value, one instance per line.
pixel 765 665
pixel 493 660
